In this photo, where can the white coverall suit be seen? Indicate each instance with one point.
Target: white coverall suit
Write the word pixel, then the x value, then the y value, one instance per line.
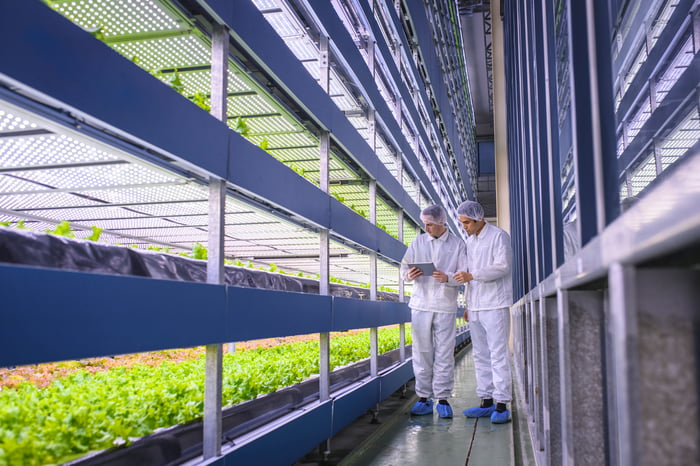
pixel 433 312
pixel 489 297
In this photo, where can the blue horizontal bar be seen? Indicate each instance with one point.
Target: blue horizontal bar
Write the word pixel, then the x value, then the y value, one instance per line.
pixel 286 443
pixel 54 315
pixel 353 313
pixel 254 313
pixel 350 406
pixel 96 315
pixel 393 379
pixel 261 175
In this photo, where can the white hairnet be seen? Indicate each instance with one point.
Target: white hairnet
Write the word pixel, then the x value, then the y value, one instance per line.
pixel 434 214
pixel 471 209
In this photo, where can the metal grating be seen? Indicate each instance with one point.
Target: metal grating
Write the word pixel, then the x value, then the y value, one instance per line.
pixel 643 174
pixel 146 17
pixel 679 142
pixel 675 69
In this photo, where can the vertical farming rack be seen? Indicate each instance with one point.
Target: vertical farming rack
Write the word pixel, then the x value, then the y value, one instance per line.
pixel 302 137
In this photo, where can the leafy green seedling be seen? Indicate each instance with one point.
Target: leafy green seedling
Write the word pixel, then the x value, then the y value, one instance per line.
pixel 96 232
pixel 62 229
pixel 174 81
pixel 200 100
pixel 199 251
pixel 241 126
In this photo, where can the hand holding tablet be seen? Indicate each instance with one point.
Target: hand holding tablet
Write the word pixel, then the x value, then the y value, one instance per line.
pixel 426 267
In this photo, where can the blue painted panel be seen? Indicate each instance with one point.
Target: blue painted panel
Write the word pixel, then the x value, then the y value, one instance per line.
pixel 389 246
pixel 257 313
pixel 585 120
pixel 487 158
pixel 352 226
pixel 257 172
pixel 56 57
pixel 394 379
pixel 284 445
pixel 350 406
pixel 53 315
pixel 351 313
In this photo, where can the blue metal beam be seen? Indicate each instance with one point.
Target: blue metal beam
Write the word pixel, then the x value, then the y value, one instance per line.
pixel 287 442
pixel 341 38
pixel 54 315
pixel 594 131
pixel 352 313
pixel 350 405
pixel 679 96
pixel 253 313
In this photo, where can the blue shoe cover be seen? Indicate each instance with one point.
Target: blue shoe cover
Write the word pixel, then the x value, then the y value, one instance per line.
pixel 422 407
pixel 500 418
pixel 444 411
pixel 478 411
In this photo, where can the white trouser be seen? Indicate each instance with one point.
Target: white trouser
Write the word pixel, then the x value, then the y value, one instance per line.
pixel 433 352
pixel 490 331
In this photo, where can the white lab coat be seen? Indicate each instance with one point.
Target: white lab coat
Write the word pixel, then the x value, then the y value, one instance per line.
pixel 449 255
pixel 489 259
pixel 433 313
pixel 489 297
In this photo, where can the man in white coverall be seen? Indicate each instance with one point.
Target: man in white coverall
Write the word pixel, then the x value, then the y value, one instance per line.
pixel 489 297
pixel 433 310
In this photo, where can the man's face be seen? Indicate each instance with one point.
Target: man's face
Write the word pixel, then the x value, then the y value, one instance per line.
pixel 434 230
pixel 471 226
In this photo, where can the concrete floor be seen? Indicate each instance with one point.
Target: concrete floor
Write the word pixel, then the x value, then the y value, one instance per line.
pixel 390 436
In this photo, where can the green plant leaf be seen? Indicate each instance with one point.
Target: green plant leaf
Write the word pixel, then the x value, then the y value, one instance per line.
pixel 62 229
pixel 200 100
pixel 241 127
pixel 199 251
pixel 96 232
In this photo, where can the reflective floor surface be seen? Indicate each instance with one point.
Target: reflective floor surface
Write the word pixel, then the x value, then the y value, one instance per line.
pixel 405 440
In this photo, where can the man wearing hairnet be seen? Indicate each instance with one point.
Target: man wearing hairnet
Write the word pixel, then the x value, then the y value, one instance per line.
pixel 489 296
pixel 433 310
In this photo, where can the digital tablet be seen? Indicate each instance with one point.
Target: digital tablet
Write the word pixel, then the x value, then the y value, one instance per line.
pixel 426 267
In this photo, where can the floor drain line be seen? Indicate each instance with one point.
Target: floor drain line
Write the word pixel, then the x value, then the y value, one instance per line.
pixel 471 442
